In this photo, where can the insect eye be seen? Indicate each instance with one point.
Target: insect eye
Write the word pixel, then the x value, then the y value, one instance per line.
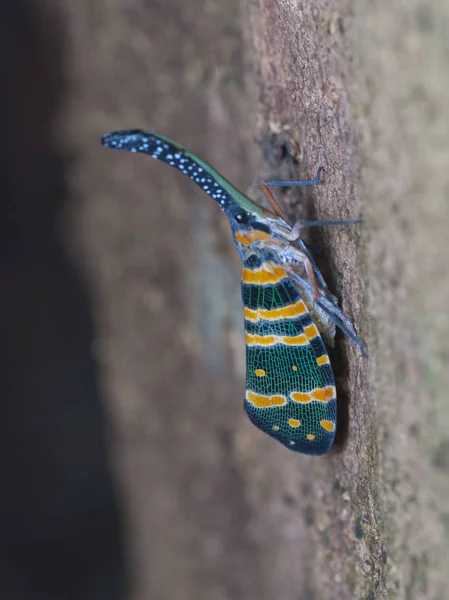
pixel 242 218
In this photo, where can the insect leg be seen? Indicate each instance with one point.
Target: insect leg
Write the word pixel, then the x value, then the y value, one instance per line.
pixel 272 200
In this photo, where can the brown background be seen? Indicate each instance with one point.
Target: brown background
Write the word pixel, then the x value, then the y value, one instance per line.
pixel 213 509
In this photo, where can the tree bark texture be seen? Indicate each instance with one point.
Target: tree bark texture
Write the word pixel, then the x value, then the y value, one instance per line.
pixel 215 509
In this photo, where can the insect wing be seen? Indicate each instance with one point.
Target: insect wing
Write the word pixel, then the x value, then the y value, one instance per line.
pixel 290 388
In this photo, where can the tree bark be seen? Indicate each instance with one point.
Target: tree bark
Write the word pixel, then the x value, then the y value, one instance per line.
pixel 360 87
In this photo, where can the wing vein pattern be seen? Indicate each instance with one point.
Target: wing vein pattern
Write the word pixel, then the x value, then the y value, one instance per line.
pixel 290 388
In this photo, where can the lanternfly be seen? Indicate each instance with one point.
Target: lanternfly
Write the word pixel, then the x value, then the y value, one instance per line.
pixel 288 309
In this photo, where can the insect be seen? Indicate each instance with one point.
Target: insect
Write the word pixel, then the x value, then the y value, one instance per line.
pixel 288 309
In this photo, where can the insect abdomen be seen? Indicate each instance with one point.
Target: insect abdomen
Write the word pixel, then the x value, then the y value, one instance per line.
pixel 290 389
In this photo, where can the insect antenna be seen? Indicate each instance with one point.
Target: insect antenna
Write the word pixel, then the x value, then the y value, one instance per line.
pixel 294 182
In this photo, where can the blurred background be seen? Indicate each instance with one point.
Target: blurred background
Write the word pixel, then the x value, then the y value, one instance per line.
pixel 129 469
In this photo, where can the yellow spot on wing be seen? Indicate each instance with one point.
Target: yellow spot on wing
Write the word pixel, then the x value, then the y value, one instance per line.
pixel 323 360
pixel 294 368
pixel 261 401
pixel 260 372
pixel 268 273
pixel 253 339
pixel 311 331
pixel 310 436
pixel 294 422
pixel 327 425
pixel 275 427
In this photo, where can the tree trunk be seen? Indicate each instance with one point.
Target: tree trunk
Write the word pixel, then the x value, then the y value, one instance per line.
pixel 215 508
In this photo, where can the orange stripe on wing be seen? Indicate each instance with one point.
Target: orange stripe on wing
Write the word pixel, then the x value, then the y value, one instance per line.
pixel 261 401
pixel 248 237
pixel 294 340
pixel 250 314
pixel 324 394
pixel 300 397
pixel 286 312
pixel 252 339
pixel 268 273
pixel 319 394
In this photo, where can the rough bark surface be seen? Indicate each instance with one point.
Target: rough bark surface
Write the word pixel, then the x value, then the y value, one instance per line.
pixel 215 509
